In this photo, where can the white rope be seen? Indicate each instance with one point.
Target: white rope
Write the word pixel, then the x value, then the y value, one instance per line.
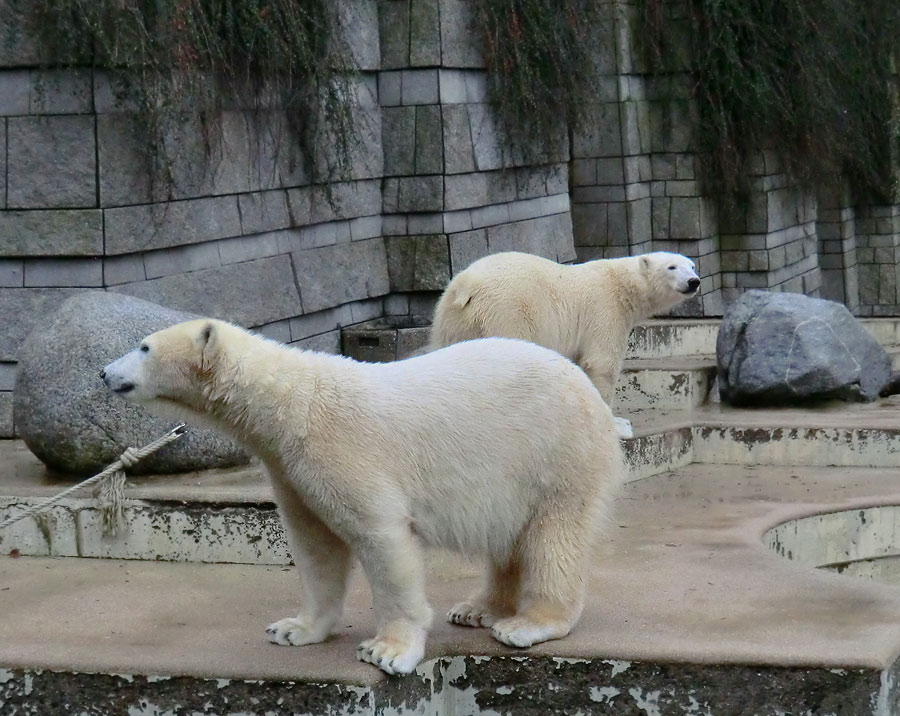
pixel 110 492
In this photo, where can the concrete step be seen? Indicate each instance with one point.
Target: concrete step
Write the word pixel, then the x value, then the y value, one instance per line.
pixel 678 383
pixel 669 381
pixel 394 338
pixel 229 516
pixel 671 363
pixel 673 337
pixel 225 516
pixel 215 516
pixel 386 339
pixel 862 541
pixel 837 434
pixel 687 612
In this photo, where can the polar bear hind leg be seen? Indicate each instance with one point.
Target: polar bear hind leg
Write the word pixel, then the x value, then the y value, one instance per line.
pixel 553 573
pixel 497 600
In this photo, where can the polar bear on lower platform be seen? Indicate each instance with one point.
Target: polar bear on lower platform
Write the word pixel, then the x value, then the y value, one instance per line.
pixel 495 447
pixel 584 311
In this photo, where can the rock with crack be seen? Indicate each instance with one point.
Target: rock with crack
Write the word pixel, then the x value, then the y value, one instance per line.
pixel 66 415
pixel 787 348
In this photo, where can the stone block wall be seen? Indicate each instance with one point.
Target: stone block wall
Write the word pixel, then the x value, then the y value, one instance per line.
pixel 771 243
pixel 836 232
pixel 450 193
pixel 634 168
pixel 242 231
pixel 878 254
pixel 635 187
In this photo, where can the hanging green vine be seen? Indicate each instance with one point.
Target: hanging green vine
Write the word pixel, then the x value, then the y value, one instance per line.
pixel 541 57
pixel 813 80
pixel 273 57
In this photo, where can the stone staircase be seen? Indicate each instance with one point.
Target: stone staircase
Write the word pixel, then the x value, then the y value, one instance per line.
pixel 699 474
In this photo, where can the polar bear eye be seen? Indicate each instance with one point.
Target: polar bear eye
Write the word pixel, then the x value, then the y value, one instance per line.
pixel 671 268
pixel 145 348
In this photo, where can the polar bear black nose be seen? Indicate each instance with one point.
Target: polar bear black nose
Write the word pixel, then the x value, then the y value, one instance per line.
pixel 694 284
pixel 102 375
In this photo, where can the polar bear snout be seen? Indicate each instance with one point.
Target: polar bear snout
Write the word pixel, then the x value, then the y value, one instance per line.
pixel 115 383
pixel 692 285
pixel 119 376
pixel 120 387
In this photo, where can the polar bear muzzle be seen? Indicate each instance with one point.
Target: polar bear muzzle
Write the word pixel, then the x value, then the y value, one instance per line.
pixel 692 286
pixel 122 375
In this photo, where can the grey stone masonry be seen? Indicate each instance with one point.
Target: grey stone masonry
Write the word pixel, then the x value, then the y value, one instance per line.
pixel 60 92
pixel 836 231
pixel 449 189
pixel 358 23
pixel 156 226
pixel 333 275
pixel 51 233
pixel 64 272
pixel 3 154
pixel 7 430
pixel 250 293
pixel 418 263
pixel 12 273
pixel 878 255
pixel 251 230
pixel 424 33
pixel 393 24
pixel 15 92
pixel 459 36
pixel 21 308
pixel 771 242
pixel 633 172
pixel 51 162
pixel 635 188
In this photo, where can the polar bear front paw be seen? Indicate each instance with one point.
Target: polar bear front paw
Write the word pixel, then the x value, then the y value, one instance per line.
pixel 623 428
pixel 294 632
pixel 392 655
pixel 473 614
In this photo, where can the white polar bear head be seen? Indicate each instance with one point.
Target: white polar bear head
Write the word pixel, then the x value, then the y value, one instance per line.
pixel 171 371
pixel 671 277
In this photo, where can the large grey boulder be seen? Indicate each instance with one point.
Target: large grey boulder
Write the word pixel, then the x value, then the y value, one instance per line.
pixel 67 416
pixel 786 348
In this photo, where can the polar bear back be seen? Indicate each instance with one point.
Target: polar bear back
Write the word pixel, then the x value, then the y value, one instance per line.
pixel 476 435
pixel 513 295
pixel 474 393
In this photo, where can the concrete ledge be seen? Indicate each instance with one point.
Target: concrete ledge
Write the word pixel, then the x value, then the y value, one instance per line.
pixel 216 516
pixel 475 686
pixel 228 515
pixel 688 612
pixel 858 435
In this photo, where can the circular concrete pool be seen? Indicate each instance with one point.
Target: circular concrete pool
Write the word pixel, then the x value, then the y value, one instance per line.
pixel 862 542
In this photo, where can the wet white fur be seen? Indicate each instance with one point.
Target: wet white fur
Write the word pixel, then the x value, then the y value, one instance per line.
pixel 494 447
pixel 585 311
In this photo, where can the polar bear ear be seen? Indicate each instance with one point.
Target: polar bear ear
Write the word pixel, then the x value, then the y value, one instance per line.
pixel 645 264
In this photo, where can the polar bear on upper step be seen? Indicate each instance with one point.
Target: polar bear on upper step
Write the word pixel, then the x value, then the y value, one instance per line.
pixel 584 311
pixel 497 447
